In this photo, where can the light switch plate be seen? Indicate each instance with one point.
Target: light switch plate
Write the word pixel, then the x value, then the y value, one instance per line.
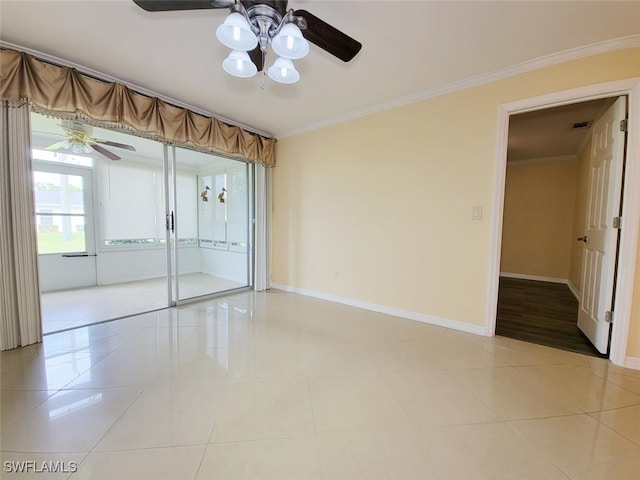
pixel 476 213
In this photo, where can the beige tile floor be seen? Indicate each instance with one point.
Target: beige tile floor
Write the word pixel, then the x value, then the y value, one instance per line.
pixel 273 385
pixel 84 306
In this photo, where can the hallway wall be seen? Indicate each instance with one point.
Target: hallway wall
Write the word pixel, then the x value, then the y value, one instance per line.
pixel 537 231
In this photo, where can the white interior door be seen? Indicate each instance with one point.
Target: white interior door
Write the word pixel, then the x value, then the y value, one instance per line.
pixel 601 237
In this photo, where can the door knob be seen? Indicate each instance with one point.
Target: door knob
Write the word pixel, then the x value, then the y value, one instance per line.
pixel 582 239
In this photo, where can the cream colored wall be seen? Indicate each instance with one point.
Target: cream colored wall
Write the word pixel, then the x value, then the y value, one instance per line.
pixel 579 217
pixel 375 210
pixel 378 209
pixel 537 228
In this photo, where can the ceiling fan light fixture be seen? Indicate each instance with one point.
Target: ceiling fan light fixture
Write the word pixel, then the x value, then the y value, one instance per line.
pixel 236 33
pixel 253 23
pixel 283 71
pixel 239 64
pixel 289 42
pixel 77 147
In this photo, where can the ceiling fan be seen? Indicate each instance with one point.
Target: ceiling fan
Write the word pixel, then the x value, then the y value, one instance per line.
pixel 253 25
pixel 79 140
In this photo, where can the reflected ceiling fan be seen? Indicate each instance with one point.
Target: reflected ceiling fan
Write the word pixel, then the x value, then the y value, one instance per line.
pixel 253 25
pixel 79 140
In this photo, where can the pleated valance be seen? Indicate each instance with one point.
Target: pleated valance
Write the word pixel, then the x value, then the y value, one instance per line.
pixel 66 91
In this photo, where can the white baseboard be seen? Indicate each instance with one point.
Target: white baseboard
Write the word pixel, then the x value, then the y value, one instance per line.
pixel 538 278
pixel 632 362
pixel 574 290
pixel 396 312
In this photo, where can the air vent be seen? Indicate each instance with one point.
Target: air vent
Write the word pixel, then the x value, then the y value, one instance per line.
pixel 579 125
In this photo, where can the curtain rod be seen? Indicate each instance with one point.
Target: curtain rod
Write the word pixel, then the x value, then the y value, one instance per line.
pixel 109 78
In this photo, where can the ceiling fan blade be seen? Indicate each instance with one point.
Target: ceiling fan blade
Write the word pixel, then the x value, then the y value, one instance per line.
pixel 171 5
pixel 55 146
pixel 115 144
pixel 257 57
pixel 105 152
pixel 328 38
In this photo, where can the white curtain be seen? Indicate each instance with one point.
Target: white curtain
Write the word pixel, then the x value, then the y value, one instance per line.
pixel 263 207
pixel 20 322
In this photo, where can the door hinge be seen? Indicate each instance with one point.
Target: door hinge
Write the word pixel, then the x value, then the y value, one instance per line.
pixel 624 125
pixel 608 317
pixel 617 221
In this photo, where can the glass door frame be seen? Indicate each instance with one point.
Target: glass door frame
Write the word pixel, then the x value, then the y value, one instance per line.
pixel 171 200
pixel 251 222
pixel 173 225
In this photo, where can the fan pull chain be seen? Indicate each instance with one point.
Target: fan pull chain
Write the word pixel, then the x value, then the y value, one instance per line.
pixel 261 85
pixel 264 71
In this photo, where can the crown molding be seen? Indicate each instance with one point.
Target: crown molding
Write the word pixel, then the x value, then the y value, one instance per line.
pixel 576 53
pixel 144 91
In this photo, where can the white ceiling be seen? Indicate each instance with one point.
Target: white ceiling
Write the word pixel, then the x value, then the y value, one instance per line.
pixel 550 133
pixel 409 47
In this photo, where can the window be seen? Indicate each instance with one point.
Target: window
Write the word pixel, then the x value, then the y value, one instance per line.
pixel 223 209
pixel 61 217
pixel 187 191
pixel 212 210
pixel 132 205
pixel 237 208
pixel 61 157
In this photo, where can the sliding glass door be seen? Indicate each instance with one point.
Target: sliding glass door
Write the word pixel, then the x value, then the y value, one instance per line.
pixel 157 224
pixel 132 229
pixel 212 223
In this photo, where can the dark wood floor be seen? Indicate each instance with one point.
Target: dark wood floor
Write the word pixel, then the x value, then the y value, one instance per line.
pixel 541 312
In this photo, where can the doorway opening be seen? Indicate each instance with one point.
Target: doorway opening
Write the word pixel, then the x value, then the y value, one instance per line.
pixel 545 208
pixel 628 234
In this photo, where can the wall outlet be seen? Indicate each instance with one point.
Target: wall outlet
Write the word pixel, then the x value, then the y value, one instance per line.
pixel 476 213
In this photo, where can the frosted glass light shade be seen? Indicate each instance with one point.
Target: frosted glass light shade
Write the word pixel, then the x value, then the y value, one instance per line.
pixel 283 71
pixel 239 64
pixel 236 33
pixel 289 42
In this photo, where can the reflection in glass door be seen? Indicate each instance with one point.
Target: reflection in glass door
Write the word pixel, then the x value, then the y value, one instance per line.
pixel 137 233
pixel 212 227
pixel 101 224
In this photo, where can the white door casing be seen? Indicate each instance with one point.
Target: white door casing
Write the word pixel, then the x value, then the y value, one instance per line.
pixel 629 234
pixel 603 205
